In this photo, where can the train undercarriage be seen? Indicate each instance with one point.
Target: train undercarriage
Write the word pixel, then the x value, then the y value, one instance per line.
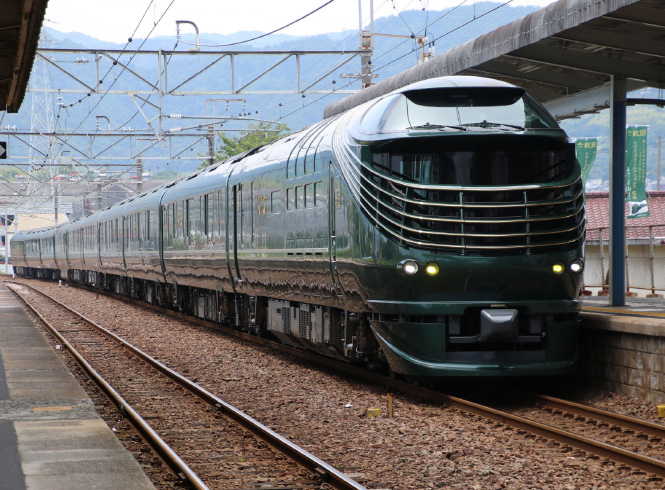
pixel 328 331
pixel 506 341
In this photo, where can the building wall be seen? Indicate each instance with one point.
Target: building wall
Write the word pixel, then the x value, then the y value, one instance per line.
pixel 624 354
pixel 639 262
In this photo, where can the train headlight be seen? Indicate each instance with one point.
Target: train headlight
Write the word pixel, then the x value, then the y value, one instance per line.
pixel 558 268
pixel 408 267
pixel 577 266
pixel 432 269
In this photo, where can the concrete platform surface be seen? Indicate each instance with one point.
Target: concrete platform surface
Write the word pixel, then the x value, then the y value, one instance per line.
pixel 641 316
pixel 51 437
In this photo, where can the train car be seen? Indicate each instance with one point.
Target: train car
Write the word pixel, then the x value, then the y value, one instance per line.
pixel 437 230
pixel 130 246
pixel 83 249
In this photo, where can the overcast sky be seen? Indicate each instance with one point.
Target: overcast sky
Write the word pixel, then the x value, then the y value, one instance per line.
pixel 116 20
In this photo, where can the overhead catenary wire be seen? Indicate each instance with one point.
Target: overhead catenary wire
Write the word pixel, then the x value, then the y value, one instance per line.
pixel 60 107
pixel 410 52
pixel 313 101
pixel 267 33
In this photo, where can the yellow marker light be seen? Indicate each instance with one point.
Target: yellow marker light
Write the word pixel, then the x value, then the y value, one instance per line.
pixel 432 269
pixel 557 268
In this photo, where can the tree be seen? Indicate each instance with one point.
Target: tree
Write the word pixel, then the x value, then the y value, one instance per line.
pixel 257 135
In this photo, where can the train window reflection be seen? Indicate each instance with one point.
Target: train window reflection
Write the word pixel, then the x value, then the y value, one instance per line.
pixel 457 109
pixel 290 199
pixel 309 196
pixel 318 194
pixel 276 202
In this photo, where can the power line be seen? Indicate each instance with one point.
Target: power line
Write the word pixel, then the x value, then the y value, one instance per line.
pixel 266 34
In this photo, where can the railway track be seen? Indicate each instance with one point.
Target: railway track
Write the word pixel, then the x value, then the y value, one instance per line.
pixel 566 425
pixel 204 440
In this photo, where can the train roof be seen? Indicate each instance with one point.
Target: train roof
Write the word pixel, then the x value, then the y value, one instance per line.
pixel 455 81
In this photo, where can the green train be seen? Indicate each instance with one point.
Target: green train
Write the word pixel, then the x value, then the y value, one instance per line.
pixel 436 231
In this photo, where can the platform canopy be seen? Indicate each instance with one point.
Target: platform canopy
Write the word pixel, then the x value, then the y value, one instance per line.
pixel 20 23
pixel 563 54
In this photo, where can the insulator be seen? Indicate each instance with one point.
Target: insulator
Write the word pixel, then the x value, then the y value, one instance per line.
pixel 177 129
pixel 175 116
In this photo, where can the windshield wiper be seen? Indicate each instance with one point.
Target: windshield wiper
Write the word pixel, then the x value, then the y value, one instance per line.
pixel 438 126
pixel 487 124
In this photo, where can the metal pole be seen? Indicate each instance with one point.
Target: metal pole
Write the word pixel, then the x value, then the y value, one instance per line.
pixel 15 227
pixel 626 264
pixel 211 144
pixel 617 192
pixel 6 240
pixel 651 258
pixel 360 22
pixel 55 206
pixel 371 22
pixel 602 261
pixel 139 175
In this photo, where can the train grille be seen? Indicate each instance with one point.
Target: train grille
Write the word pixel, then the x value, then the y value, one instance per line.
pixel 468 218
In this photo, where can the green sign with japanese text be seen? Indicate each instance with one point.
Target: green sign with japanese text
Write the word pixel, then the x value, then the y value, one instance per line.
pixel 586 154
pixel 636 171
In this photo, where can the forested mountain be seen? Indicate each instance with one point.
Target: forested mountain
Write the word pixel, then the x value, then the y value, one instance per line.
pixel 448 28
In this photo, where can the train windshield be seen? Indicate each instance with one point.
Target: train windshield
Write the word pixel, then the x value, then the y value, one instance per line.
pixel 458 110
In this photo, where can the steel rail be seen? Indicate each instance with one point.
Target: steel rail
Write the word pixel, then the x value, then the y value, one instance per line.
pixel 169 456
pixel 625 421
pixel 330 475
pixel 584 443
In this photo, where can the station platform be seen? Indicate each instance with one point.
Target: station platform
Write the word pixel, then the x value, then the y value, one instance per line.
pixel 636 306
pixel 622 348
pixel 51 437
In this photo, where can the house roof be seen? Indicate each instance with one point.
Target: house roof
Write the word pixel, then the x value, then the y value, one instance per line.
pixel 598 216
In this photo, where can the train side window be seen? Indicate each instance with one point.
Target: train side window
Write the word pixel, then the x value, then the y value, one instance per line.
pixel 315 161
pixel 290 199
pixel 309 196
pixel 318 197
pixel 114 237
pixel 146 231
pixel 210 226
pixel 179 224
pixel 170 225
pixel 138 238
pixel 188 221
pixel 300 163
pixel 300 196
pixel 276 202
pixel 222 217
pixel 154 229
pixel 309 161
pixel 290 168
pixel 194 221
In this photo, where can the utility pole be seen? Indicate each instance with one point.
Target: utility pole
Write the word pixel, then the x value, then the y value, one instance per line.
pixel 366 45
pixel 211 145
pixel 55 208
pixel 100 199
pixel 139 175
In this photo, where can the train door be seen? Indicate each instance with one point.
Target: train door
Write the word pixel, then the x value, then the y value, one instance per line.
pixel 234 216
pixel 334 204
pixel 65 244
pixel 83 230
pixel 123 241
